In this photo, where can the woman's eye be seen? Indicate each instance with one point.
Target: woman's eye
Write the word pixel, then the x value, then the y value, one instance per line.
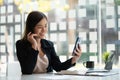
pixel 46 26
pixel 39 27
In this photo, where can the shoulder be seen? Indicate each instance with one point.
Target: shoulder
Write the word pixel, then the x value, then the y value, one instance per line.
pixel 21 42
pixel 46 43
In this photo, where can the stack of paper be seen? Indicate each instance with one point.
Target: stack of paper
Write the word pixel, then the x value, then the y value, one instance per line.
pixel 86 73
pixel 72 72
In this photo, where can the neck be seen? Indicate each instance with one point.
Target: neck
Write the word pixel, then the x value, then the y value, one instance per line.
pixel 38 39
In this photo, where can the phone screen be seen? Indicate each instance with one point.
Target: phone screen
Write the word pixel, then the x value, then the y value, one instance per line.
pixel 77 42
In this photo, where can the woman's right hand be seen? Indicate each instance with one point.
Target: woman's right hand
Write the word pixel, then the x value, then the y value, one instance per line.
pixel 32 40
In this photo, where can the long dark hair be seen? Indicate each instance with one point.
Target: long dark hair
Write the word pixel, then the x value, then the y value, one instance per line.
pixel 33 18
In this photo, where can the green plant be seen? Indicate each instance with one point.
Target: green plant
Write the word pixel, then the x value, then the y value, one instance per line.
pixel 105 56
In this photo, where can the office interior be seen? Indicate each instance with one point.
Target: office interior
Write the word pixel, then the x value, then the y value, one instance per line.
pixel 96 22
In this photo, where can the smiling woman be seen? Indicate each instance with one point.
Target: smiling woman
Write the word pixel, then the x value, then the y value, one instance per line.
pixel 35 53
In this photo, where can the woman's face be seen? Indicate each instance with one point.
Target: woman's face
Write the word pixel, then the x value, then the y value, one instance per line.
pixel 41 28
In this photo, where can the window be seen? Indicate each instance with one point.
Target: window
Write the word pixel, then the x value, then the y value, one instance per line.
pixel 64 25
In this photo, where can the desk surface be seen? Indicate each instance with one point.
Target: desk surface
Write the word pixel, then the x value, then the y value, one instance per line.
pixel 14 74
pixel 52 76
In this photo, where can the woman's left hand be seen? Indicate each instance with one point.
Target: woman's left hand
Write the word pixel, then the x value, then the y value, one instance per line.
pixel 77 54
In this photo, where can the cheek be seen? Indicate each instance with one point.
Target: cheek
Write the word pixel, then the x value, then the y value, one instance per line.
pixel 47 30
pixel 37 31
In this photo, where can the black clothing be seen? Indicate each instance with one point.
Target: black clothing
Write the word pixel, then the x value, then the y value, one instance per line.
pixel 27 57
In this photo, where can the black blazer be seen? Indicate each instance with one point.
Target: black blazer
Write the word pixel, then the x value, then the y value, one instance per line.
pixel 27 57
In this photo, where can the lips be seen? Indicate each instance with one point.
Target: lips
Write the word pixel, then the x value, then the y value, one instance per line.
pixel 41 35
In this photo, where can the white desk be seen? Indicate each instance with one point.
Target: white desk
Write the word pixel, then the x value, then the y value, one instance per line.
pixel 52 76
pixel 67 77
pixel 14 74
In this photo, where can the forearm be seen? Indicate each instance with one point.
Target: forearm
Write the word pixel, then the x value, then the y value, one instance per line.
pixel 73 60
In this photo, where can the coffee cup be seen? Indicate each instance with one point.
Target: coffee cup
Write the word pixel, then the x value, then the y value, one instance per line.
pixel 89 64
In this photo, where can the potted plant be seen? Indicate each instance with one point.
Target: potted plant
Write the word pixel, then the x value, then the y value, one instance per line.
pixel 105 56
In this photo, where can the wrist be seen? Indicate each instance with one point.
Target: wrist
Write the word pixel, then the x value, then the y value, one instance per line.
pixel 73 60
pixel 34 47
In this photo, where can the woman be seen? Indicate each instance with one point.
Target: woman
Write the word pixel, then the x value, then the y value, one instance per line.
pixel 35 53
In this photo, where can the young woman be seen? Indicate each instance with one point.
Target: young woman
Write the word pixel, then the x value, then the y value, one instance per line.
pixel 35 53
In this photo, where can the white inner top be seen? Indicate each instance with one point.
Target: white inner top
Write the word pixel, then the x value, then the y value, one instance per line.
pixel 41 65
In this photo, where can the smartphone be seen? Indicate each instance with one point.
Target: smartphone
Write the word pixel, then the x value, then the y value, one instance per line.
pixel 77 42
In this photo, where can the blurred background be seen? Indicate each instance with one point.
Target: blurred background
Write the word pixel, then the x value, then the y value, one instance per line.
pixel 97 22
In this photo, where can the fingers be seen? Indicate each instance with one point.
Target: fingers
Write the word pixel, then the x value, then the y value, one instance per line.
pixel 77 51
pixel 77 54
pixel 78 47
pixel 28 35
pixel 31 35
